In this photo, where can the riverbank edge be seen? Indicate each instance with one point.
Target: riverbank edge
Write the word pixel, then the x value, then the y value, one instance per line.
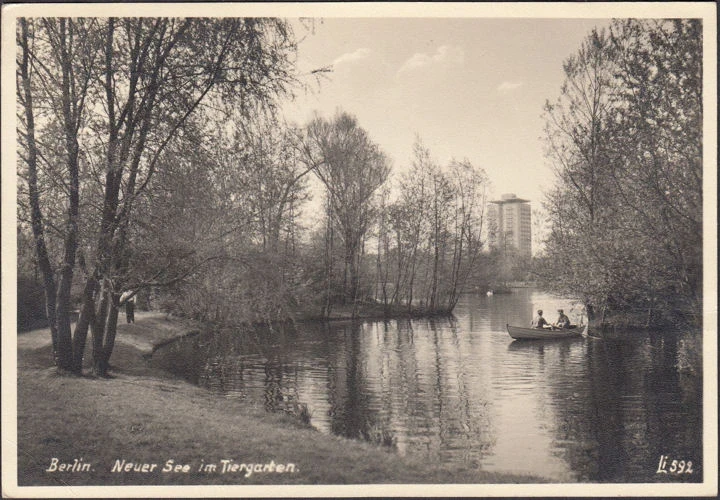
pixel 370 311
pixel 145 415
pixel 690 337
pixel 628 325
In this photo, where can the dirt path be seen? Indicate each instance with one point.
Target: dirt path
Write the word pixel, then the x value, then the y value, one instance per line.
pixel 151 328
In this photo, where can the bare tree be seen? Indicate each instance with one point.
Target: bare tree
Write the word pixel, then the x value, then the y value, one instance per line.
pixel 268 164
pixel 437 223
pixel 352 168
pixel 470 187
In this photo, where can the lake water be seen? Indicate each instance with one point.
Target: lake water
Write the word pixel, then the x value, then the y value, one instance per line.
pixel 461 390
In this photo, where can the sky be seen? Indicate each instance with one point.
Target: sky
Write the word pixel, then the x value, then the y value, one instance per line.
pixel 471 88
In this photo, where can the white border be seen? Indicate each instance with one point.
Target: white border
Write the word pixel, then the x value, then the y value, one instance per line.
pixel 706 11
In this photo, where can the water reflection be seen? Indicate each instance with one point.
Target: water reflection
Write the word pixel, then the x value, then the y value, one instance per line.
pixel 460 390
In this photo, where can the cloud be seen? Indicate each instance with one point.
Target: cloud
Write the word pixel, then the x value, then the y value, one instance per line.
pixel 349 57
pixel 443 54
pixel 509 86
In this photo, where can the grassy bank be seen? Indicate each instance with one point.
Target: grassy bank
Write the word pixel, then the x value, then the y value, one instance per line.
pixel 145 416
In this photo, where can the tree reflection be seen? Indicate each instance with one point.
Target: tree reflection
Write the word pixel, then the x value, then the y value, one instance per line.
pixel 617 412
pixel 459 390
pixel 349 415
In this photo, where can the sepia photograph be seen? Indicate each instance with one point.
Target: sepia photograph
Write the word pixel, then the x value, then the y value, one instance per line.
pixel 326 249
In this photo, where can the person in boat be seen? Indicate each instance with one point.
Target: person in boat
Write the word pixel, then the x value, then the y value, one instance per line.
pixel 563 321
pixel 539 321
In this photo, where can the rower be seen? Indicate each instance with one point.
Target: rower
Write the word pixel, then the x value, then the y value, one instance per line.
pixel 563 321
pixel 539 321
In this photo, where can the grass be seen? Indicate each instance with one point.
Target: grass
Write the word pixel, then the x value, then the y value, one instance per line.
pixel 144 415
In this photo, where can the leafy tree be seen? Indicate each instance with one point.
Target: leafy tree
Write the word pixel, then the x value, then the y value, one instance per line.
pixel 55 68
pixel 122 91
pixel 657 166
pixel 352 168
pixel 625 136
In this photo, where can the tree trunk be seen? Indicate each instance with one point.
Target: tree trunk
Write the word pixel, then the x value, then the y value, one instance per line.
pixel 98 330
pixel 101 364
pixel 436 261
pixel 355 280
pixel 412 270
pixel 348 283
pixel 104 330
pixel 64 334
pixel 385 277
pixel 69 111
pixel 86 318
pixel 34 197
pixel 396 293
pixel 329 248
pixel 378 266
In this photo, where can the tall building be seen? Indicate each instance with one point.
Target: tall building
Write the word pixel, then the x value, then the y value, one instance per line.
pixel 509 224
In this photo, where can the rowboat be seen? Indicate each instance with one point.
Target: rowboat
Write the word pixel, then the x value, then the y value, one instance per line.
pixel 520 333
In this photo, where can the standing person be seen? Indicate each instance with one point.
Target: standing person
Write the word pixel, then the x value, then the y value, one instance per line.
pixel 129 300
pixel 563 321
pixel 539 321
pixel 130 310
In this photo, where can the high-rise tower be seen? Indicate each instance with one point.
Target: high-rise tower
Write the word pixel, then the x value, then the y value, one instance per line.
pixel 510 224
